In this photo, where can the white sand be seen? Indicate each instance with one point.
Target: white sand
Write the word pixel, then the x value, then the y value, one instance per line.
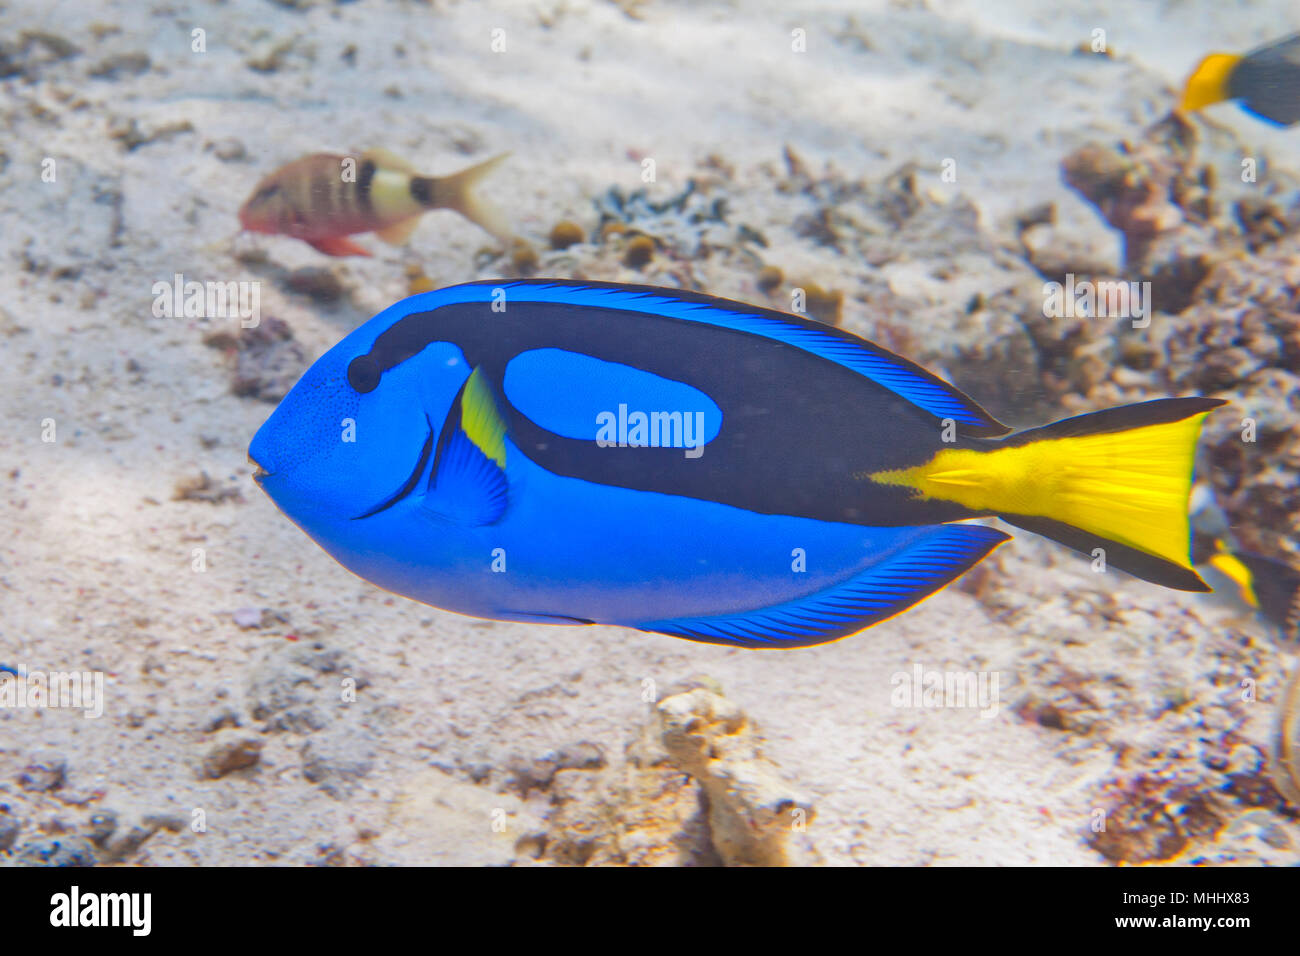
pixel 95 557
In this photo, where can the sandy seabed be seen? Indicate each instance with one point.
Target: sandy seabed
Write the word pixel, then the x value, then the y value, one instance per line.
pixel 208 709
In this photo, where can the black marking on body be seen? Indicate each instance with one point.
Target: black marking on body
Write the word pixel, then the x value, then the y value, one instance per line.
pixel 364 374
pixel 411 482
pixel 321 201
pixel 800 433
pixel 422 190
pixel 365 177
pixel 1267 81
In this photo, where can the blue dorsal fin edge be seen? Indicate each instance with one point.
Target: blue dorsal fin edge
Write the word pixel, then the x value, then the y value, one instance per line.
pixel 941 554
pixel 893 372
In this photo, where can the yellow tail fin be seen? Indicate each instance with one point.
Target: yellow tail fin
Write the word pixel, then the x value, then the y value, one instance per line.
pixel 1208 83
pixel 457 192
pixel 1117 479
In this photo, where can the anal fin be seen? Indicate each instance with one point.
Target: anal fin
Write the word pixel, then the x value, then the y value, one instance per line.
pixel 531 617
pixel 337 246
pixel 400 231
pixel 934 559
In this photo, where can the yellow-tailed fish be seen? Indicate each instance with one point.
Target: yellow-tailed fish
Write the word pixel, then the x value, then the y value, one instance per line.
pixel 1266 81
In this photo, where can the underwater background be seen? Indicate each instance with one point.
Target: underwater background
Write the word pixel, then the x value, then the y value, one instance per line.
pixel 916 172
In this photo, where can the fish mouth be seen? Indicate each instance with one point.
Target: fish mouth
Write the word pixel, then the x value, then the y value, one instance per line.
pixel 259 473
pixel 411 482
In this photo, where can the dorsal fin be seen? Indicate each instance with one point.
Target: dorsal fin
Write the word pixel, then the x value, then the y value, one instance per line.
pixel 899 375
pixel 383 159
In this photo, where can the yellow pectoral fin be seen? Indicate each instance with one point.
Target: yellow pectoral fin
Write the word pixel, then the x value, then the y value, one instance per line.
pixel 481 420
pixel 1208 83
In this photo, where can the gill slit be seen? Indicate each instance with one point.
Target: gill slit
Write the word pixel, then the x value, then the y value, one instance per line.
pixel 411 482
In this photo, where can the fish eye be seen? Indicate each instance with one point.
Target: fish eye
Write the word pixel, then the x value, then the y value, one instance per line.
pixel 363 374
pixel 266 193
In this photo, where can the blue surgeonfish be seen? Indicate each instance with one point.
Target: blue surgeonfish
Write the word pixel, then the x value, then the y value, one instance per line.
pixel 573 452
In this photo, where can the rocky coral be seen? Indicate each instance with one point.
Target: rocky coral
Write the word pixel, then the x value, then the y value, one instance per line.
pixel 265 360
pixel 1223 261
pixel 696 790
pixel 316 692
pixel 451 822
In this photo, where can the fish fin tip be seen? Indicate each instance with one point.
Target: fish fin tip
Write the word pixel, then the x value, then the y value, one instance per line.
pixel 338 246
pixel 934 558
pixel 1166 572
pixel 1269 585
pixel 399 232
pixel 388 160
pixel 535 617
pixel 457 192
pixel 1232 567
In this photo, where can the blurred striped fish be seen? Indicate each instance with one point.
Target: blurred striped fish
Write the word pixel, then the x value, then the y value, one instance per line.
pixel 324 198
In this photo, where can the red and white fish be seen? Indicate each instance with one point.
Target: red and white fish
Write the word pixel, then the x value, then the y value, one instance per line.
pixel 324 198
